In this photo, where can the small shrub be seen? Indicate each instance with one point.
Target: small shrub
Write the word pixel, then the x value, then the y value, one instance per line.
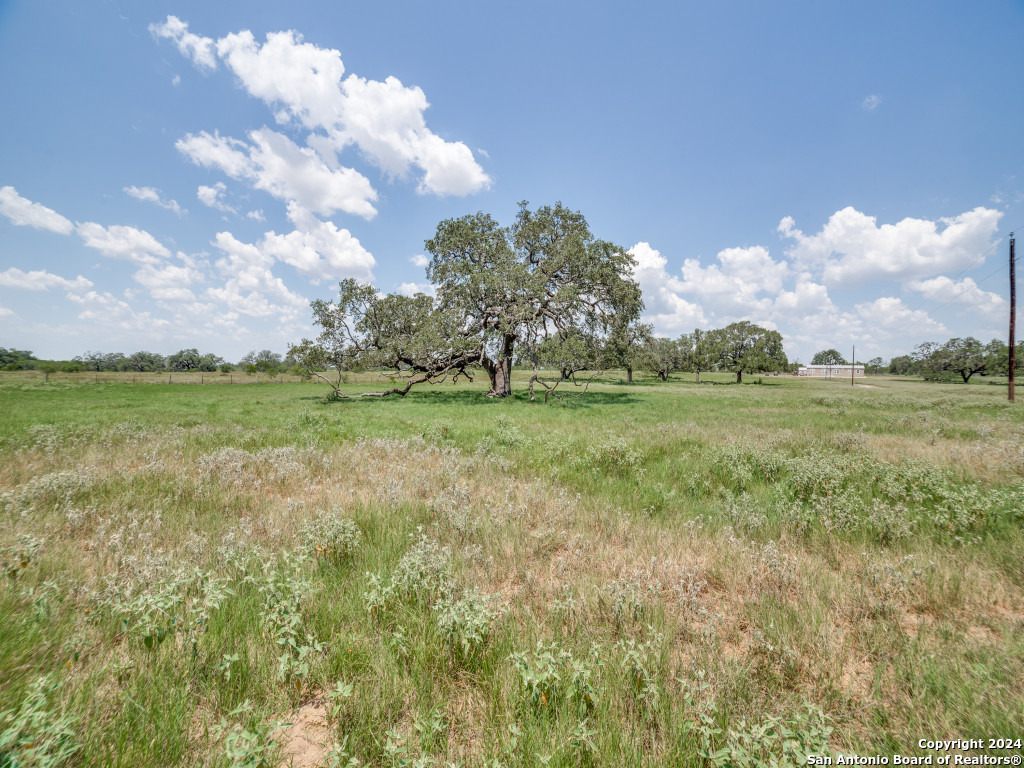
pixel 423 573
pixel 627 600
pixel 690 590
pixel 246 747
pixel 431 728
pixel 810 476
pixel 773 741
pixel 641 664
pixel 508 433
pixel 611 456
pixel 35 734
pixel 889 522
pixel 774 568
pixel 885 583
pixel 540 672
pixel 284 589
pixel 51 490
pixel 454 505
pixel 377 595
pixel 339 693
pixel 439 432
pixel 568 607
pixel 550 674
pixel 17 557
pixel 774 661
pixel 466 622
pixel 330 536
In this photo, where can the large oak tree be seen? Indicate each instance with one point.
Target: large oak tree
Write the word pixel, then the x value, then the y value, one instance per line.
pixel 500 292
pixel 745 347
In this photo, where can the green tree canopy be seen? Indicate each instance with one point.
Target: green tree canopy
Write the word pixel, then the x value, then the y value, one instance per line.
pixel 664 356
pixel 501 292
pixel 264 361
pixel 902 365
pixel 964 356
pixel 624 346
pixel 874 365
pixel 144 361
pixel 828 357
pixel 745 347
pixel 101 361
pixel 16 359
pixel 699 353
pixel 192 360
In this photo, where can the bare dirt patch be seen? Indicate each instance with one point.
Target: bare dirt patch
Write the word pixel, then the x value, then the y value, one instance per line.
pixel 305 743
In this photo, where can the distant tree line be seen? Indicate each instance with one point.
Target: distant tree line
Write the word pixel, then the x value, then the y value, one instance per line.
pixel 737 348
pixel 263 361
pixel 956 359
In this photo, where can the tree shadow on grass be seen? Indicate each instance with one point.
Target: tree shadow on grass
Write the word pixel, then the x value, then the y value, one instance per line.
pixel 477 398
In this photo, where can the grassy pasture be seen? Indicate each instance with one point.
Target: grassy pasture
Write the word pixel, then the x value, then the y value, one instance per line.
pixel 653 574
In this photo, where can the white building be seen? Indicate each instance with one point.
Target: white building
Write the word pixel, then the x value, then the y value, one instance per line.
pixel 831 371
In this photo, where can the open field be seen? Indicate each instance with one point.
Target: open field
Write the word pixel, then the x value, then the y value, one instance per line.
pixel 655 574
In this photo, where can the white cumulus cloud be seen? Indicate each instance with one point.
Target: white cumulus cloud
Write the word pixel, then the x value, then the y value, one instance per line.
pixel 664 306
pixel 25 213
pixel 852 248
pixel 106 310
pixel 121 242
pixel 195 47
pixel 168 282
pixel 41 280
pixel 275 164
pixel 250 287
pixel 152 195
pixel 733 288
pixel 890 316
pixel 965 293
pixel 306 85
pixel 213 197
pixel 411 289
pixel 318 249
pixel 419 260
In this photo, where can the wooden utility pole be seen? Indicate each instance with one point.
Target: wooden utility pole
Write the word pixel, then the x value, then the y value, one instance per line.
pixel 853 363
pixel 1013 316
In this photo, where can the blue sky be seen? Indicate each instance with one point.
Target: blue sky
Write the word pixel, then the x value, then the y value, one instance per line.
pixel 192 174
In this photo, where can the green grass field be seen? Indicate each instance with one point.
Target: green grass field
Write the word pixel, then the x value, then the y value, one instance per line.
pixel 655 574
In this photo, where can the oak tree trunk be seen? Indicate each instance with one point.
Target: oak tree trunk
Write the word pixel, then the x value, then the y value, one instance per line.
pixel 739 377
pixel 629 374
pixel 500 371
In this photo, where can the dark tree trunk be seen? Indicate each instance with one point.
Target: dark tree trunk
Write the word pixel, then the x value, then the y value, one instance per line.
pixel 629 374
pixel 663 375
pixel 698 376
pixel 500 371
pixel 739 377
